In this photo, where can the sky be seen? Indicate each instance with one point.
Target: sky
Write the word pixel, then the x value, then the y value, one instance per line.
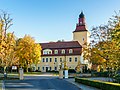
pixel 53 20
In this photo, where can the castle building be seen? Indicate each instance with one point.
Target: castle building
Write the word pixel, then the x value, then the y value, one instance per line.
pixel 55 53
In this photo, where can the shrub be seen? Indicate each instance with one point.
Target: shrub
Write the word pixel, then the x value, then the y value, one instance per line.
pixel 117 78
pixel 53 71
pixel 100 74
pixel 71 71
pixel 98 84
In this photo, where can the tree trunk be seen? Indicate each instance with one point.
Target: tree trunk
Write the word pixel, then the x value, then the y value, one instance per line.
pixel 27 69
pixel 36 67
pixel 5 69
pixel 5 72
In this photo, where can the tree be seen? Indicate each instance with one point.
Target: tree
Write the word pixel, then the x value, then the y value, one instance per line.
pixel 115 35
pixel 78 67
pixel 7 42
pixel 28 51
pixel 105 45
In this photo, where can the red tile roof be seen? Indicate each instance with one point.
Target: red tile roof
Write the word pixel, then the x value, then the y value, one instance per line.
pixel 61 45
pixel 80 28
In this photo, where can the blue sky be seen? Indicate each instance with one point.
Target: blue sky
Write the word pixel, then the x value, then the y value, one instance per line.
pixel 52 20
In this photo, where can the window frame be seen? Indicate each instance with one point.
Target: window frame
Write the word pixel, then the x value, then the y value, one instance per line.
pixel 70 59
pixel 60 59
pixel 55 60
pixel 43 59
pixel 56 51
pixel 63 51
pixel 76 59
pixel 70 50
pixel 50 59
pixel 46 59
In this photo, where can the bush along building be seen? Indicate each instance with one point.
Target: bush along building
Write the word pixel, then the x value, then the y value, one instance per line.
pixel 55 53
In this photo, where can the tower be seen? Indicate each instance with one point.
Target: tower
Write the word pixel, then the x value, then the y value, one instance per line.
pixel 81 33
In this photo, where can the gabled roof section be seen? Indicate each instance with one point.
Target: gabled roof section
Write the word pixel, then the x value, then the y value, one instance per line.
pixel 61 45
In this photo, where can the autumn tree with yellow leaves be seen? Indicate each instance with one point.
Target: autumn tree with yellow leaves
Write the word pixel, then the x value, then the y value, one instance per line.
pixel 7 43
pixel 28 51
pixel 22 52
pixel 104 49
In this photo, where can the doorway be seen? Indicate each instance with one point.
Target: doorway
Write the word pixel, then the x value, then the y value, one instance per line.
pixel 46 69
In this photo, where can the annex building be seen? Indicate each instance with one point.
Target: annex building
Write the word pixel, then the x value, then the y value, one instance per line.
pixel 55 53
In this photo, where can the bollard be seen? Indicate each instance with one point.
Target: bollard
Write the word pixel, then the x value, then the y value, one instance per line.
pixel 21 74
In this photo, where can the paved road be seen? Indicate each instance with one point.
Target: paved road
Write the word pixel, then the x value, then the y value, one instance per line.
pixel 39 83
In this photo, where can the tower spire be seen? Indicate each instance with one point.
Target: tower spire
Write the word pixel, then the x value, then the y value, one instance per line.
pixel 81 15
pixel 81 25
pixel 81 33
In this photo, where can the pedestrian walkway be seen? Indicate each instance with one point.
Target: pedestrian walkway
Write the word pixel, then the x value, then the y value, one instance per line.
pixel 104 79
pixel 82 86
pixel 0 84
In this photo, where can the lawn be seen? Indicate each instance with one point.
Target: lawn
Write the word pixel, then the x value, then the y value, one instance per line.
pixel 9 76
pixel 15 75
pixel 32 73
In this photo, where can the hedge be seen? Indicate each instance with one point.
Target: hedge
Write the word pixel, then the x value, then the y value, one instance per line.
pixel 100 74
pixel 98 84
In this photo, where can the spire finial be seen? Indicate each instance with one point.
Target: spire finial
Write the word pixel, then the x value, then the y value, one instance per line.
pixel 81 15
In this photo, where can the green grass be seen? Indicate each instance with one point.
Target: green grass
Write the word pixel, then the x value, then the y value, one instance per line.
pixel 33 73
pixel 15 75
pixel 10 76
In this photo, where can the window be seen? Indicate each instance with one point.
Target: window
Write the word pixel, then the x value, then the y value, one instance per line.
pixel 44 52
pixel 38 68
pixel 56 52
pixel 50 52
pixel 43 60
pixel 70 59
pixel 83 39
pixel 55 59
pixel 33 68
pixel 50 68
pixel 60 59
pixel 47 51
pixel 63 51
pixel 50 59
pixel 55 68
pixel 46 59
pixel 43 68
pixel 70 51
pixel 75 59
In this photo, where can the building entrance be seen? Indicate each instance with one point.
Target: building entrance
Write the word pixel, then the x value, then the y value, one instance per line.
pixel 46 69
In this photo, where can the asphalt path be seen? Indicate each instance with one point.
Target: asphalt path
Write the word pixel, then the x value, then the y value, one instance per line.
pixel 39 83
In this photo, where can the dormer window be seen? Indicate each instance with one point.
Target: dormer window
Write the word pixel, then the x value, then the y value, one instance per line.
pixel 56 52
pixel 63 51
pixel 70 51
pixel 47 51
